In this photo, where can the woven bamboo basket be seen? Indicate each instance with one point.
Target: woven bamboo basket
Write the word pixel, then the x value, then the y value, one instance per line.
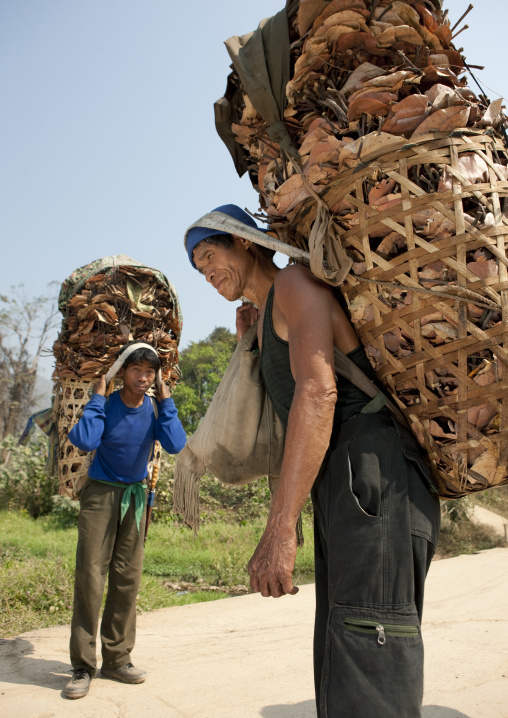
pixel 439 346
pixel 105 304
pixel 409 225
pixel 71 395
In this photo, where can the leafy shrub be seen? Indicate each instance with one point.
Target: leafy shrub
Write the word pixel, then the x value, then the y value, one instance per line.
pixel 162 511
pixel 456 511
pixel 24 482
pixel 65 512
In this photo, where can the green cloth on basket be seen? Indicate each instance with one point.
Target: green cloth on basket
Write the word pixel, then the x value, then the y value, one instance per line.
pixel 46 422
pixel 138 490
pixel 262 61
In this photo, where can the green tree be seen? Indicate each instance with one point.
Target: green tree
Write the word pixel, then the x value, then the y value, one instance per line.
pixel 202 364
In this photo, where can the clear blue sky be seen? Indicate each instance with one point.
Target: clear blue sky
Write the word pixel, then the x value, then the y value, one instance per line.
pixel 107 136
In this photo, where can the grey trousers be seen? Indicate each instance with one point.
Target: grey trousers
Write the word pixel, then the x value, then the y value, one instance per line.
pixel 377 521
pixel 106 547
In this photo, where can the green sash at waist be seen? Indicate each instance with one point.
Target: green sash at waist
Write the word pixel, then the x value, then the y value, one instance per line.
pixel 138 489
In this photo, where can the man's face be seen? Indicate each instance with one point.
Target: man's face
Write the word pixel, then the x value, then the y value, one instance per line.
pixel 138 377
pixel 224 268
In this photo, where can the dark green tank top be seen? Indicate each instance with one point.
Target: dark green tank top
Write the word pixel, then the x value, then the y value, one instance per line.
pixel 279 381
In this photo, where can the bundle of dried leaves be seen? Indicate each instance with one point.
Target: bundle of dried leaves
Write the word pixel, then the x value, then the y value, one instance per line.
pixel 107 304
pixel 411 165
pixel 364 74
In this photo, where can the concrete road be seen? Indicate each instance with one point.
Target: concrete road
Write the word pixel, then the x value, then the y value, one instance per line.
pixel 251 657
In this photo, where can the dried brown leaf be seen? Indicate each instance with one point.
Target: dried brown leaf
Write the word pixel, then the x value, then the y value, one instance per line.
pixel 492 116
pixel 331 8
pixel 361 310
pixel 400 33
pixel 365 104
pixel 481 416
pixel 348 18
pixel 442 96
pixel 444 35
pixel 438 226
pixel 357 41
pixel 406 115
pixel 387 202
pixel 365 71
pixel 320 175
pixel 290 194
pixel 446 120
pixel 433 271
pixel 484 269
pixel 429 21
pixel 391 81
pixel 439 60
pixel 326 150
pixel 433 73
pixel 78 300
pixel 383 188
pixel 392 245
pixel 308 11
pixel 396 344
pixel 97 279
pixel 486 465
pixel 489 374
pixel 438 432
pixel 353 152
pixel 471 167
pixel 411 18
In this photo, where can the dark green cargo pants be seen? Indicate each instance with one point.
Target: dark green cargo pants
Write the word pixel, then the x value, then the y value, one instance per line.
pixel 106 547
pixel 376 527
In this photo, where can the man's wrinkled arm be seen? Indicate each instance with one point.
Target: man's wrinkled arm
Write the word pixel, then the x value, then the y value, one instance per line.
pixel 306 307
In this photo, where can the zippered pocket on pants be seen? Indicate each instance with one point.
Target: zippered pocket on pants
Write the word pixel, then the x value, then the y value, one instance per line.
pixel 383 631
pixel 373 662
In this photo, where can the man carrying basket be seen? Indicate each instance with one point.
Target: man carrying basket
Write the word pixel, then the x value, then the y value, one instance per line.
pixel 121 429
pixel 376 510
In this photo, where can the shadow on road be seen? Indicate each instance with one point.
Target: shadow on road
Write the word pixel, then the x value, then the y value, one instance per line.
pixel 25 670
pixel 306 709
pixel 442 712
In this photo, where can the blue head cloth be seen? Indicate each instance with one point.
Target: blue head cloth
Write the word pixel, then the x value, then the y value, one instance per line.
pixel 197 234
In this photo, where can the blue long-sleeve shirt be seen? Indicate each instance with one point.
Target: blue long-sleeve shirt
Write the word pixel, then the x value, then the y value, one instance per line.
pixel 123 436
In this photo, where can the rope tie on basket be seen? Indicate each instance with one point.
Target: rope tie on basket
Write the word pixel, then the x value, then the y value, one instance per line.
pixel 453 292
pixel 115 368
pixel 324 241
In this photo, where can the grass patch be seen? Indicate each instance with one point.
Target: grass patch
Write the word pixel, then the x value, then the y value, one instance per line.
pixel 219 553
pixel 37 561
pixel 36 573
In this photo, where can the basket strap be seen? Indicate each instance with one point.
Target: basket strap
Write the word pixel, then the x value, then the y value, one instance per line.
pixel 350 371
pixel 230 225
